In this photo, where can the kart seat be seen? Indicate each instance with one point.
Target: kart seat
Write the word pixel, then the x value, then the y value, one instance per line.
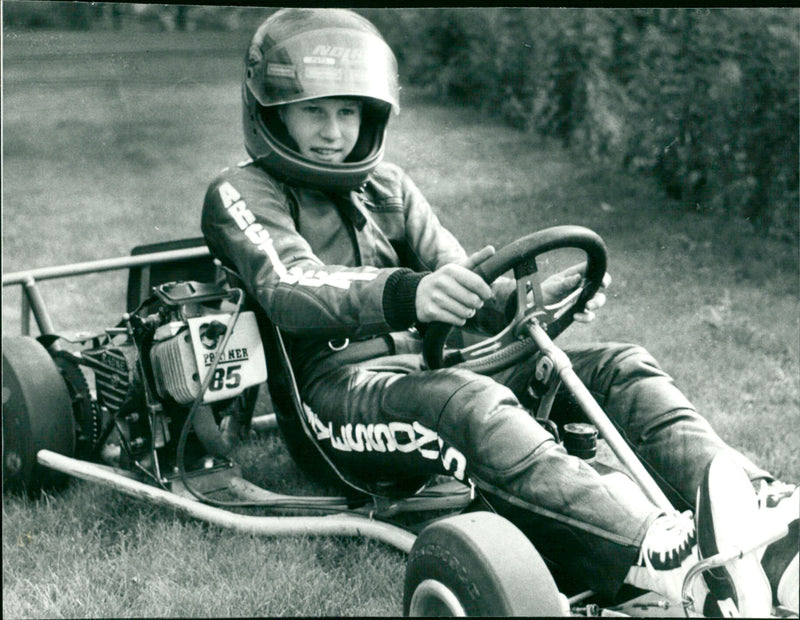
pixel 290 412
pixel 283 391
pixel 141 280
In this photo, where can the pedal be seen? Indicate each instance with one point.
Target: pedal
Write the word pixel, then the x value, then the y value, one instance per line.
pixel 213 481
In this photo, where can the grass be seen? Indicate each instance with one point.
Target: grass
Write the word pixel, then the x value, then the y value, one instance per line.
pixel 104 150
pixel 127 559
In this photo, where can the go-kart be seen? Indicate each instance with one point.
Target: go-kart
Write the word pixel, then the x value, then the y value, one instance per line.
pixel 155 406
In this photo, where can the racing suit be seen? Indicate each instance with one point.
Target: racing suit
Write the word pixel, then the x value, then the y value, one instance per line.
pixel 337 274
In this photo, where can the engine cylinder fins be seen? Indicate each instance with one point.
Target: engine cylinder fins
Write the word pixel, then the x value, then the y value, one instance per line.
pixel 114 371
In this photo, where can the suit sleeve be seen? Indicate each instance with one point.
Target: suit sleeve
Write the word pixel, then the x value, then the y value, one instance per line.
pixel 431 244
pixel 247 224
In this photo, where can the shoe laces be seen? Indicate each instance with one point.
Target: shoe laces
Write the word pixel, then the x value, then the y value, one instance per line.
pixel 667 542
pixel 770 494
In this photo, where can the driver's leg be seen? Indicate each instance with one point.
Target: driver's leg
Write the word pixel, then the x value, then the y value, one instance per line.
pixel 658 421
pixel 664 429
pixel 678 444
pixel 594 527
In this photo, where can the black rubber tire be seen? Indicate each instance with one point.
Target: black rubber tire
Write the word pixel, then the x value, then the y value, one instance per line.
pixel 478 564
pixel 37 414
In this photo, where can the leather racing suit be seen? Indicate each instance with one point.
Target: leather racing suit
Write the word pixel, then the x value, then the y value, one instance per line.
pixel 337 274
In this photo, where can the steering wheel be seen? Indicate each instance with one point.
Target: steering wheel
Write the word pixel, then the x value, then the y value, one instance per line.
pixel 513 343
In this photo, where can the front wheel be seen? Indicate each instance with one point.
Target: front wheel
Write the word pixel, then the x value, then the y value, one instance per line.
pixel 478 564
pixel 37 415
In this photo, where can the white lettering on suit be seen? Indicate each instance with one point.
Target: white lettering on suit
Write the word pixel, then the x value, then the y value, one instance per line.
pixel 391 437
pixel 259 236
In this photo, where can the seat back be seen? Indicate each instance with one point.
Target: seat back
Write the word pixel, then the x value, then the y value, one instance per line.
pixel 310 455
pixel 141 280
pixel 288 406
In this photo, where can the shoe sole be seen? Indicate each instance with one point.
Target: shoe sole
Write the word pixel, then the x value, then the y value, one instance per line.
pixel 726 497
pixel 779 560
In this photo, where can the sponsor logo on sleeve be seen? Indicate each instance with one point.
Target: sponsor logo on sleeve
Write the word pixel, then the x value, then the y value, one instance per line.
pixel 259 236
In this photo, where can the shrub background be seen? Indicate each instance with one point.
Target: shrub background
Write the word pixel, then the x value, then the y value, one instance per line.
pixel 704 99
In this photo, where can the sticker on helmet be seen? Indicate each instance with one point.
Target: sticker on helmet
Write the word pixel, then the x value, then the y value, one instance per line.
pixel 338 51
pixel 278 70
pixel 323 73
pixel 319 60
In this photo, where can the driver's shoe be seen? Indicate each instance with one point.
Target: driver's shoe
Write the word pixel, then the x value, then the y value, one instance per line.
pixel 665 557
pixel 727 517
pixel 780 503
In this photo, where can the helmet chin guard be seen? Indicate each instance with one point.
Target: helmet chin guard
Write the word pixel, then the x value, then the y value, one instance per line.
pixel 302 54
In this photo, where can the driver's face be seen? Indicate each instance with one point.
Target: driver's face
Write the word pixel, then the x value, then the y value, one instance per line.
pixel 325 130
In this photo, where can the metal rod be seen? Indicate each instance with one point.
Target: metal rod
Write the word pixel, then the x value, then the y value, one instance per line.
pixel 332 525
pixel 581 596
pixel 774 532
pixel 264 423
pixel 599 418
pixel 109 264
pixel 25 316
pixel 37 305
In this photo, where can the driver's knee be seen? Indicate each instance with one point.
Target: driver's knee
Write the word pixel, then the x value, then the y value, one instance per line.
pixel 486 421
pixel 631 387
pixel 606 365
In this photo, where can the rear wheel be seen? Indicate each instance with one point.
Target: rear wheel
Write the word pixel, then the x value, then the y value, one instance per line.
pixel 478 564
pixel 37 414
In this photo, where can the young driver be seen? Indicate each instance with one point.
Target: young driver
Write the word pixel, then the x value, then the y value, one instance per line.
pixel 346 257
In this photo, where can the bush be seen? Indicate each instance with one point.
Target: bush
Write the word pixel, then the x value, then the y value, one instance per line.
pixel 71 15
pixel 716 112
pixel 706 100
pixel 100 15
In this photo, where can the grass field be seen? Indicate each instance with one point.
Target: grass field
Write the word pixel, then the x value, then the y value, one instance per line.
pixel 109 141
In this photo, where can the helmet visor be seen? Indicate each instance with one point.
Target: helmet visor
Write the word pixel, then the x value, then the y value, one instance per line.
pixel 334 62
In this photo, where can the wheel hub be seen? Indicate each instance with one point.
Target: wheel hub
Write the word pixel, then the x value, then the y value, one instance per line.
pixel 433 599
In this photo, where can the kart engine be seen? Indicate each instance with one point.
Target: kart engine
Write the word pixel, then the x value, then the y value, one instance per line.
pixel 148 373
pixel 115 373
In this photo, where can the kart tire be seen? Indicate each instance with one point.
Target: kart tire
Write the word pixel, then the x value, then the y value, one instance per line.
pixel 478 564
pixel 37 414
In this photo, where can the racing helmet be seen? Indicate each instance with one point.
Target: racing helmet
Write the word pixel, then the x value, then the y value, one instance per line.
pixel 300 54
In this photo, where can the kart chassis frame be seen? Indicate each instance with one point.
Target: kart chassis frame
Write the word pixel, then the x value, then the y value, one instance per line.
pixel 361 522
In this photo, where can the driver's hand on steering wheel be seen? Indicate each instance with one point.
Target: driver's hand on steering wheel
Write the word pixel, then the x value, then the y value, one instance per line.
pixel 561 284
pixel 453 293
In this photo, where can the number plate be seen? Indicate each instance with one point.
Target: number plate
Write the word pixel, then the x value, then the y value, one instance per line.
pixel 243 363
